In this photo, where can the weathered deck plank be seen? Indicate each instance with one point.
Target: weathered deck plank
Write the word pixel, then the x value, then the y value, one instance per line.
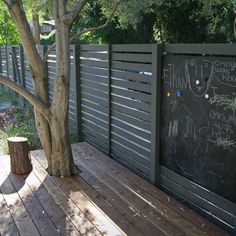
pixel 7 223
pixel 92 213
pixel 62 223
pixel 18 211
pixel 179 214
pixel 81 222
pixel 103 199
pixel 117 208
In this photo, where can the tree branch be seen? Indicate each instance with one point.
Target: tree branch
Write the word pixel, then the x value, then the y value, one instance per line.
pixel 101 26
pixel 35 101
pixel 19 17
pixel 70 16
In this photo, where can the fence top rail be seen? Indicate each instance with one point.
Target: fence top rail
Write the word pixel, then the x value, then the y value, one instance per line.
pixel 183 48
pixel 208 49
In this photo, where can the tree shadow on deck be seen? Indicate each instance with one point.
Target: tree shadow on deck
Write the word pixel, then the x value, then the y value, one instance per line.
pixel 69 210
pixel 36 205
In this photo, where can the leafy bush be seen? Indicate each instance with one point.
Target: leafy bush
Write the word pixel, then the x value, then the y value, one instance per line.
pixel 24 126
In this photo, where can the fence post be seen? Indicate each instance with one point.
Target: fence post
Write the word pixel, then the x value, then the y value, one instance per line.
pixel 15 68
pixel 22 71
pixel 7 61
pixel 0 59
pixel 76 78
pixel 109 52
pixel 1 86
pixel 157 51
pixel 22 66
pixel 44 49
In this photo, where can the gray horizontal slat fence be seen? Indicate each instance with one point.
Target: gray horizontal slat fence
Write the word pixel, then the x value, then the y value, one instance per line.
pixel 94 92
pixel 14 65
pixel 115 86
pixel 114 104
pixel 131 78
pixel 10 63
pixel 28 78
pixel 3 61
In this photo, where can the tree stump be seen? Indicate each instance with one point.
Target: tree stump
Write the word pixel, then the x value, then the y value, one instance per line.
pixel 20 155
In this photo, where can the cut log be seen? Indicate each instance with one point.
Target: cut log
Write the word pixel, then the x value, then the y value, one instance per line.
pixel 20 155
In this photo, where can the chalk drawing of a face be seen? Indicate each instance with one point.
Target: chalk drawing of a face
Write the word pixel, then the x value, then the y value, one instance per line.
pixel 199 74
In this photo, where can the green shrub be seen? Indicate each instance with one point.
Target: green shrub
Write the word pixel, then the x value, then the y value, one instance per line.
pixel 23 127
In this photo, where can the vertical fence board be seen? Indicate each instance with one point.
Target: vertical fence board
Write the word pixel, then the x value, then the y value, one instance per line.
pixel 77 96
pixel 22 66
pixel 157 51
pixel 109 98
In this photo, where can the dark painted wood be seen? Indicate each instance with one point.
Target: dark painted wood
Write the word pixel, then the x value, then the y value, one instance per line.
pixel 206 49
pixel 132 57
pixel 130 128
pixel 131 48
pixel 93 47
pixel 94 55
pixel 157 51
pixel 127 66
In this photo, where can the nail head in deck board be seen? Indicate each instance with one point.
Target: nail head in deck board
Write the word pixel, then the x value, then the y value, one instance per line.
pixel 36 211
pixel 59 219
pixel 121 206
pixel 72 189
pixel 81 222
pixel 18 211
pixel 86 206
pixel 152 191
pixel 137 204
pixel 8 226
pixel 164 220
pixel 139 221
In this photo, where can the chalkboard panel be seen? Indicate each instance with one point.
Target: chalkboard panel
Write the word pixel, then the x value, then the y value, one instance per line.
pixel 198 134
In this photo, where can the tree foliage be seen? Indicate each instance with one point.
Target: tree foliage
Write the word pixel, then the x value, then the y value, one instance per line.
pixel 195 21
pixel 8 32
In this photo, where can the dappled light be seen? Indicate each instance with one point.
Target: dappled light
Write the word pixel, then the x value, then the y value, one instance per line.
pixel 103 199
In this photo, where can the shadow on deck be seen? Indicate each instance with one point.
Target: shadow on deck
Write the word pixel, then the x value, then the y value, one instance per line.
pixel 105 199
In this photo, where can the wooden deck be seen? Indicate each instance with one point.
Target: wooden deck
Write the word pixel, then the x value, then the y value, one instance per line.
pixel 105 199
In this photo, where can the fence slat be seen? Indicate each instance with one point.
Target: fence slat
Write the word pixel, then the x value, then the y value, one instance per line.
pixel 155 176
pixel 127 66
pixel 131 48
pixel 132 57
pixel 138 96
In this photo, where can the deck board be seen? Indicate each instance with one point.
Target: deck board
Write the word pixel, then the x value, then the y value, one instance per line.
pixel 188 218
pixel 103 199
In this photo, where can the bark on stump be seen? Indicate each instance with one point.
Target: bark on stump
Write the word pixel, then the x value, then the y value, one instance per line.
pixel 20 155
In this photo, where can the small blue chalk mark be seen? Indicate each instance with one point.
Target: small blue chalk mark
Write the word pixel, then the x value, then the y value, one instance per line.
pixel 178 93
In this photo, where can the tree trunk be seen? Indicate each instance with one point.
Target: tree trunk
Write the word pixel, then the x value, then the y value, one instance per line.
pixel 61 158
pixel 20 155
pixel 36 28
pixel 52 125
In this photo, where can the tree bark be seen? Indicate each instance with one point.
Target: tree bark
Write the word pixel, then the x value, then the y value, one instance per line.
pixel 36 28
pixel 20 155
pixel 62 160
